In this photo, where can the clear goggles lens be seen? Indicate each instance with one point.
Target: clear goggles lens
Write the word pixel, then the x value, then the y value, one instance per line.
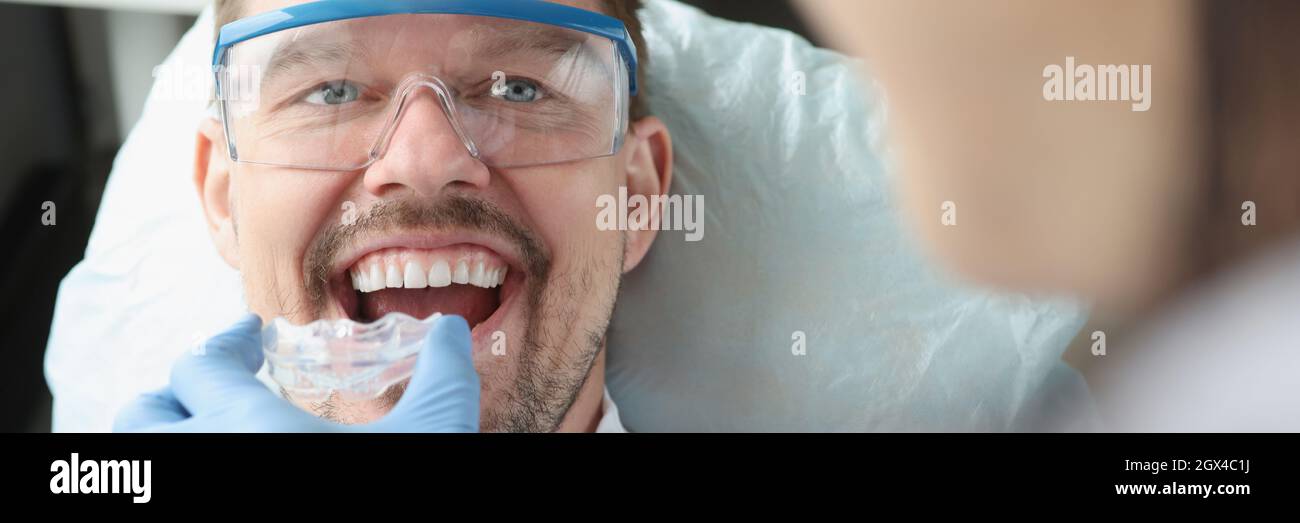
pixel 332 96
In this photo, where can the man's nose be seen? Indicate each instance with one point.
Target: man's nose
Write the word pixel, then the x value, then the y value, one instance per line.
pixel 424 153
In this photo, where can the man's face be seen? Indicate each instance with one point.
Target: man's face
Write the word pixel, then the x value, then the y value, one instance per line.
pixel 527 264
pixel 1050 195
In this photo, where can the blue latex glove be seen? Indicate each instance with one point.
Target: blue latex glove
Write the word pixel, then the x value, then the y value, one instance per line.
pixel 218 391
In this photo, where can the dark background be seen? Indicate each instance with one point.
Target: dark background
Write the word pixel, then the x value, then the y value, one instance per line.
pixel 59 135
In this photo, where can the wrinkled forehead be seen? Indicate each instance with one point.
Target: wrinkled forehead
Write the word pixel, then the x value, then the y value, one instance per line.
pixel 441 44
pixel 252 7
pixel 396 34
pixel 410 37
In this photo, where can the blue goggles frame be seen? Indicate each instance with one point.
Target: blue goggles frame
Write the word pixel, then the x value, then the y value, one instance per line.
pixel 524 10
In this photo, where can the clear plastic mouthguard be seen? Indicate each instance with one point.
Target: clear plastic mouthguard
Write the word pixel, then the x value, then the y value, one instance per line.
pixel 356 360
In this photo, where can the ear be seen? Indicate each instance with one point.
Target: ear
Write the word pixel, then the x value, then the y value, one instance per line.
pixel 649 167
pixel 212 180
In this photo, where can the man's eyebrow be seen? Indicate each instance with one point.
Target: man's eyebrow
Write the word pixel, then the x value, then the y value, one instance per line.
pixel 528 37
pixel 496 42
pixel 307 52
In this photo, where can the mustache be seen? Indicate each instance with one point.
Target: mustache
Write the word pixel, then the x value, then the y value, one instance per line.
pixel 454 212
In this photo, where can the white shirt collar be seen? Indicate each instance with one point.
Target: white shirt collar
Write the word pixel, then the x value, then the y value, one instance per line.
pixel 609 421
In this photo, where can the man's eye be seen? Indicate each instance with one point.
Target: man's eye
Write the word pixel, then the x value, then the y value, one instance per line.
pixel 516 90
pixel 334 93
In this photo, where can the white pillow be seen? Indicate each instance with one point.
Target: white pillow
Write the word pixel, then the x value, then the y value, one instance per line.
pixel 151 284
pixel 800 235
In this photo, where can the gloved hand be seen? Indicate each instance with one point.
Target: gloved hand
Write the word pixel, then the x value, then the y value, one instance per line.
pixel 218 391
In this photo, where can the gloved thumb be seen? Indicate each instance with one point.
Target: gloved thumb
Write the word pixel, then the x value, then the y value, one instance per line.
pixel 443 394
pixel 222 370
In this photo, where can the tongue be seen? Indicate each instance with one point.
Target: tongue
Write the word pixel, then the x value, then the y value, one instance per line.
pixel 474 304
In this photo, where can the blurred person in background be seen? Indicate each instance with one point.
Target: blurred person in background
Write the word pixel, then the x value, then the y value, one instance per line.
pixel 1180 220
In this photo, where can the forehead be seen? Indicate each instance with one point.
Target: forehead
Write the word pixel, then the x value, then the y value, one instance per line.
pixel 252 7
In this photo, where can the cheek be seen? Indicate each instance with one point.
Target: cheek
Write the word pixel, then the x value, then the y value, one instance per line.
pixel 561 204
pixel 278 213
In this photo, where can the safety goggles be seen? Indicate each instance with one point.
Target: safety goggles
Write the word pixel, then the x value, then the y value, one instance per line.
pixel 326 85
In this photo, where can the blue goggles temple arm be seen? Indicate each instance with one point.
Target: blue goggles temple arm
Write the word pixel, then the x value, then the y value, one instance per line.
pixel 524 10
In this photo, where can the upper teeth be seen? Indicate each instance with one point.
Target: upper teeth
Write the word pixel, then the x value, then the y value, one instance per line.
pixel 377 274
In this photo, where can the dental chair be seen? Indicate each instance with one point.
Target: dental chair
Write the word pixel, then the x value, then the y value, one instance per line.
pixel 808 306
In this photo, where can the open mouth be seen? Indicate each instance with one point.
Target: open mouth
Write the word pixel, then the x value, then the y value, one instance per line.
pixel 468 280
